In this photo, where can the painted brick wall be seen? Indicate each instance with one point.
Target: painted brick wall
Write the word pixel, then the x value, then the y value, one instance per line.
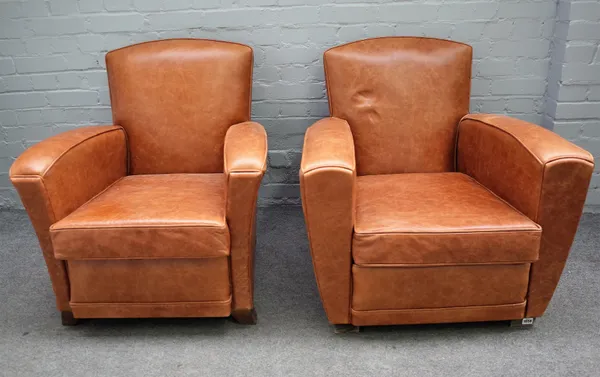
pixel 52 75
pixel 573 97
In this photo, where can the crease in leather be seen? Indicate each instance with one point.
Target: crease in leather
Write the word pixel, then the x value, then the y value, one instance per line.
pixel 403 121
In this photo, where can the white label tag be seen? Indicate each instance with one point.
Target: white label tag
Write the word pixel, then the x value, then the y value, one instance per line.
pixel 527 321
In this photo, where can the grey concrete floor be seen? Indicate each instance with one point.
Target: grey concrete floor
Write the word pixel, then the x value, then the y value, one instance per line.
pixel 292 337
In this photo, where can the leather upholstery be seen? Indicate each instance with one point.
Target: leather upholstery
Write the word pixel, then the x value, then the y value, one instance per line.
pixel 542 175
pixel 154 217
pixel 403 97
pixel 383 288
pixel 148 216
pixel 437 218
pixel 485 313
pixel 80 162
pixel 149 281
pixel 417 216
pixel 245 164
pixel 327 180
pixel 184 93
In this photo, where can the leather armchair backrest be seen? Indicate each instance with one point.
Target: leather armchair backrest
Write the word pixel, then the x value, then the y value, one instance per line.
pixel 403 98
pixel 176 99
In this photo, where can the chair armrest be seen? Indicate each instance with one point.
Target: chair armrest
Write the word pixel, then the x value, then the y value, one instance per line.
pixel 540 174
pixel 58 175
pixel 246 148
pixel 74 165
pixel 245 159
pixel 327 180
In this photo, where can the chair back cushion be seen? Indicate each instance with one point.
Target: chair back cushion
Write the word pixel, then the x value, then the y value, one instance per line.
pixel 176 99
pixel 403 98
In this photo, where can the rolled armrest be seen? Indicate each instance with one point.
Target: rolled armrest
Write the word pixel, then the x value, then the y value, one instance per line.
pixel 245 157
pixel 539 173
pixel 246 148
pixel 58 175
pixel 327 180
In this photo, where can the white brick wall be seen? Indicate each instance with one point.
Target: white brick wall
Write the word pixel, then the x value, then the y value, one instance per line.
pixel 573 97
pixel 52 60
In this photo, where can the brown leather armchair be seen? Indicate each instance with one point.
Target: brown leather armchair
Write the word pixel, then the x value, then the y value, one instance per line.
pixel 418 212
pixel 154 216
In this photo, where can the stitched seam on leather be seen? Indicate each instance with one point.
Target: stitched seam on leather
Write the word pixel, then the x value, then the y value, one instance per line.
pixel 249 231
pixel 63 257
pixel 77 144
pixel 328 167
pixel 443 264
pixel 402 233
pixel 158 226
pixel 250 82
pixel 250 280
pixel 398 37
pixel 327 84
pixel 450 308
pixel 179 39
pixel 98 194
pixel 179 303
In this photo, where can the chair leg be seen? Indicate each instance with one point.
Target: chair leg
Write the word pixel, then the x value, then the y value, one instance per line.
pixel 245 316
pixel 525 323
pixel 346 329
pixel 68 319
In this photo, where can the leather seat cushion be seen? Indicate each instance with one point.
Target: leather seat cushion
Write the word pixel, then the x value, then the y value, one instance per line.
pixel 148 216
pixel 437 219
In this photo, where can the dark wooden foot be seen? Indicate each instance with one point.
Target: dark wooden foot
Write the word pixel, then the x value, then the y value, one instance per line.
pixel 68 319
pixel 525 323
pixel 245 316
pixel 346 329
